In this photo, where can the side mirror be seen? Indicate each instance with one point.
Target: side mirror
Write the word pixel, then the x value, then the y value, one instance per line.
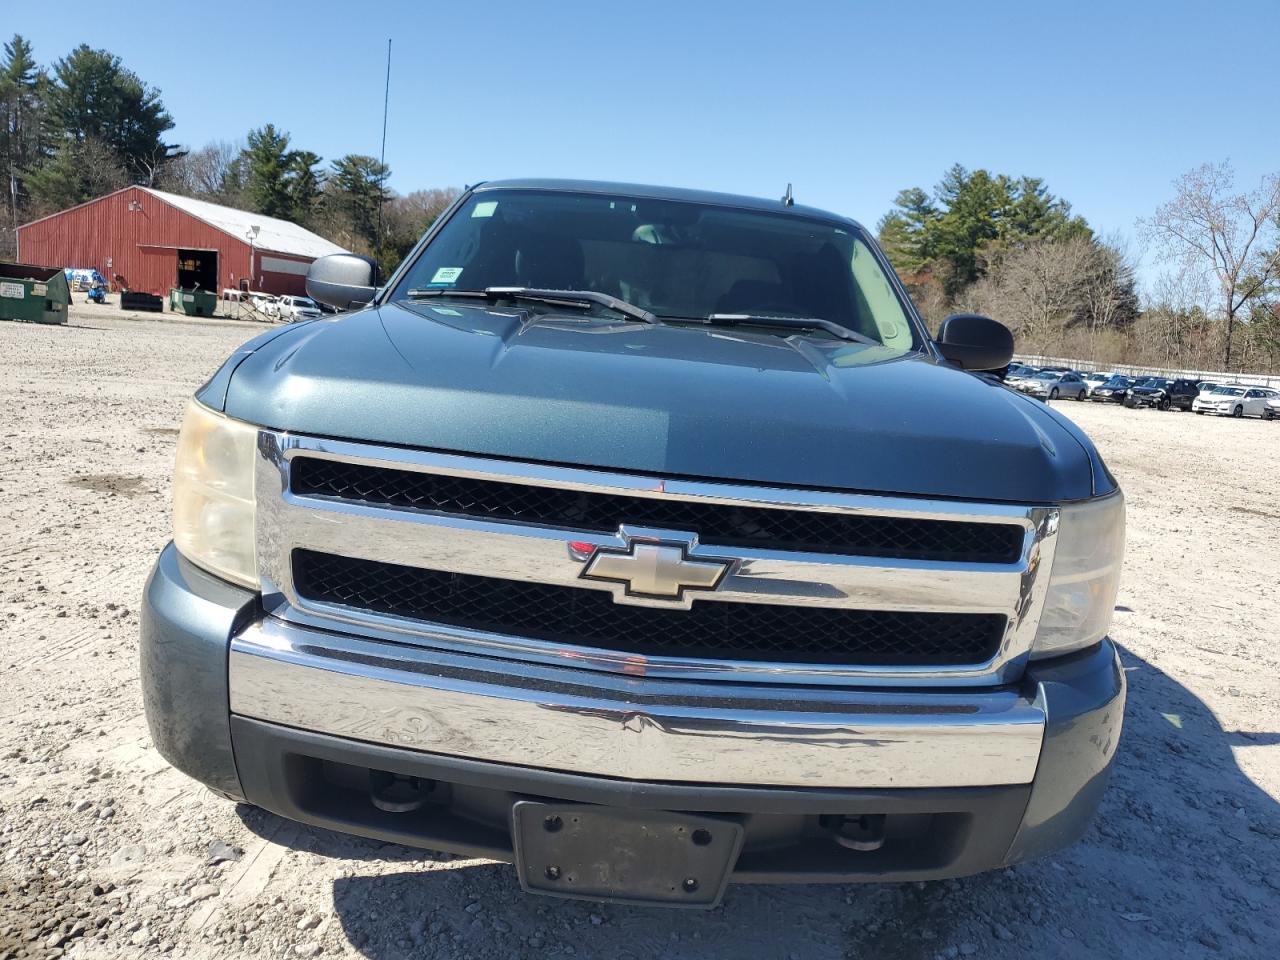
pixel 973 342
pixel 343 281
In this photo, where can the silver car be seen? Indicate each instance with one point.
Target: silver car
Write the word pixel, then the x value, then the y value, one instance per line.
pixel 1054 385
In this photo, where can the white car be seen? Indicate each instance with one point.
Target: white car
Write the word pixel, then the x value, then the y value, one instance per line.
pixel 296 309
pixel 1271 409
pixel 1235 400
pixel 1053 385
pixel 1094 380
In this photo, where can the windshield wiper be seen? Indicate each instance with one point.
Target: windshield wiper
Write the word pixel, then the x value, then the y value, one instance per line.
pixel 795 323
pixel 563 298
pixel 573 298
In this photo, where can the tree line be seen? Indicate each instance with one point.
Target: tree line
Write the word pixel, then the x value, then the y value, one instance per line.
pixel 1007 247
pixel 88 125
pixel 981 242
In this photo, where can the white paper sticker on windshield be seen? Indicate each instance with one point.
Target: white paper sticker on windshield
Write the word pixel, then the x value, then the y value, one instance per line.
pixel 484 209
pixel 447 275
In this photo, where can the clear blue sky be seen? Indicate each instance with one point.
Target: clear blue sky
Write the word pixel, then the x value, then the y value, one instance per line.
pixel 1108 102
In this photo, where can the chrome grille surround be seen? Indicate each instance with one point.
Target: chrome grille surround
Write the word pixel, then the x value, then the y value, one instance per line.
pixel 542 554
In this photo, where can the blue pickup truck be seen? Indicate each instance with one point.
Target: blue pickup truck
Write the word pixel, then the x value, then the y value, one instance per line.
pixel 646 539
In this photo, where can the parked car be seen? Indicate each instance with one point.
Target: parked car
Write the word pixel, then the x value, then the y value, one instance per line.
pixel 1094 379
pixel 1112 391
pixel 1235 400
pixel 1183 393
pixel 440 573
pixel 1271 408
pixel 295 309
pixel 1054 385
pixel 1151 392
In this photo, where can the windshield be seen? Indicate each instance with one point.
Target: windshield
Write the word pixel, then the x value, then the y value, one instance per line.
pixel 1047 375
pixel 676 259
pixel 1118 382
pixel 1229 391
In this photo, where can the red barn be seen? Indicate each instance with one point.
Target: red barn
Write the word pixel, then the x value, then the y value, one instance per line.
pixel 149 241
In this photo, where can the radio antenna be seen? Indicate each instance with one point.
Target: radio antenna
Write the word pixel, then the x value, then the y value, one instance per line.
pixel 382 156
pixel 787 199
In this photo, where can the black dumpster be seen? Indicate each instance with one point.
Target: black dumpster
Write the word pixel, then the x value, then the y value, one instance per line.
pixel 133 300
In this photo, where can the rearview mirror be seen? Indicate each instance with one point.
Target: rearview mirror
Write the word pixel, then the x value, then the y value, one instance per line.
pixel 343 280
pixel 973 342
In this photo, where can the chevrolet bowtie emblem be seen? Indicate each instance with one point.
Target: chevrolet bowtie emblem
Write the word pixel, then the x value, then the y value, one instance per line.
pixel 654 570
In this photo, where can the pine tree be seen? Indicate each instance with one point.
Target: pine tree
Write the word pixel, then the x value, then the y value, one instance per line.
pixel 92 97
pixel 356 189
pixel 23 140
pixel 268 163
pixel 305 184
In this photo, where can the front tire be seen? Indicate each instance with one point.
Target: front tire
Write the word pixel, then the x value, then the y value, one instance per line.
pixel 1238 412
pixel 1163 405
pixel 1053 394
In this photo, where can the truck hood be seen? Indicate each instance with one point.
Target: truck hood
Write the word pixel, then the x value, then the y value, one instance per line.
pixel 688 401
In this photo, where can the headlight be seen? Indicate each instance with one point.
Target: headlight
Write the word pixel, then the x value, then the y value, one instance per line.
pixel 1085 576
pixel 213 503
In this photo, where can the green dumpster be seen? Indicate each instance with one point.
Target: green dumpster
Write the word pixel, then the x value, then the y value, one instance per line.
pixel 194 303
pixel 34 294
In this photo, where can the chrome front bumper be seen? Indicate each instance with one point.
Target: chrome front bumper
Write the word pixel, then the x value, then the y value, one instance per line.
pixel 631 728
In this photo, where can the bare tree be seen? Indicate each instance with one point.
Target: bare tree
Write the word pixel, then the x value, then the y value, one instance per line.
pixel 1037 288
pixel 211 173
pixel 1234 234
pixel 1108 297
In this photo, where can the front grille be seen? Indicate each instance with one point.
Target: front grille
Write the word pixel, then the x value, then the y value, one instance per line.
pixel 710 630
pixel 730 526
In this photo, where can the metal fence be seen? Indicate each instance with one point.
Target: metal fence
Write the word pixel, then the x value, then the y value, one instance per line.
pixel 1134 370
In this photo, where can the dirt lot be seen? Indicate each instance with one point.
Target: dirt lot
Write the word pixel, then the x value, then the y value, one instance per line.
pixel 105 851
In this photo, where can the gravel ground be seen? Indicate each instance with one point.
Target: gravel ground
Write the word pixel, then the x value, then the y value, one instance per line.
pixel 106 851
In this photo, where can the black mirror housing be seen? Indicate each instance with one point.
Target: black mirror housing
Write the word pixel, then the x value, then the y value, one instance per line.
pixel 974 342
pixel 342 280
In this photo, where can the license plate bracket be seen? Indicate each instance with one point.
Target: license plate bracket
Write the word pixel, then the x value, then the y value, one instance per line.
pixel 623 856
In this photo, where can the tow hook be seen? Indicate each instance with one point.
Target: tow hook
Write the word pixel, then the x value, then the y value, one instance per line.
pixel 395 793
pixel 865 832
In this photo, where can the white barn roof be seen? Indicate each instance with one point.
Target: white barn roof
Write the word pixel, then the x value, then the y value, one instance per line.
pixel 275 236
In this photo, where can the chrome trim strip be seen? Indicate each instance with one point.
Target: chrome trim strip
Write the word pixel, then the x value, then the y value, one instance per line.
pixel 543 554
pixel 620 727
pixel 600 481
